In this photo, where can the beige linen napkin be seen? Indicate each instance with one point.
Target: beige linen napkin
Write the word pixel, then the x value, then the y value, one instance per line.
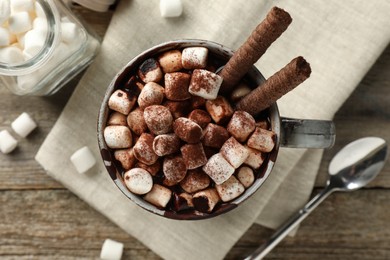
pixel 340 40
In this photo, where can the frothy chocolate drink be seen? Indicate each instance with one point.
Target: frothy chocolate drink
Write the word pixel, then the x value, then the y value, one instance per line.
pixel 177 143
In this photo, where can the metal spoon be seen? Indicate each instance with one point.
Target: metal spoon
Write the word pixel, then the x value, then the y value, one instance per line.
pixel 351 168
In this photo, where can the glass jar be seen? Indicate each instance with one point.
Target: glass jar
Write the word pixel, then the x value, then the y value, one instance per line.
pixel 68 48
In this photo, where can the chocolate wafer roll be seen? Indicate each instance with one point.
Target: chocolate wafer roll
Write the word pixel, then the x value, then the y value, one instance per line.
pixel 262 37
pixel 283 81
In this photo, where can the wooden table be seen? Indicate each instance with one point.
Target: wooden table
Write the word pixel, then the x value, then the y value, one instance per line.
pixel 40 219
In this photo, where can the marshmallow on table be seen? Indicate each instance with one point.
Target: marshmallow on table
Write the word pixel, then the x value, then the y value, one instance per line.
pixel 230 189
pixel 218 168
pixel 234 152
pixel 205 84
pixel 83 159
pixel 7 142
pixel 171 8
pixel 23 125
pixel 19 22
pixel 11 55
pixel 5 10
pixel 111 250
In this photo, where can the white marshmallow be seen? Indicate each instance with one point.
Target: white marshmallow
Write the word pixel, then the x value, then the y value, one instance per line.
pixel 159 196
pixel 83 159
pixel 255 158
pixel 245 176
pixel 117 136
pixel 34 41
pixel 230 189
pixel 22 6
pixel 11 55
pixel 234 152
pixel 121 102
pixel 138 181
pixel 5 37
pixel 5 10
pixel 40 23
pixel 111 250
pixel 7 142
pixel 23 125
pixel 205 84
pixel 171 8
pixel 194 57
pixel 69 32
pixel 19 22
pixel 218 168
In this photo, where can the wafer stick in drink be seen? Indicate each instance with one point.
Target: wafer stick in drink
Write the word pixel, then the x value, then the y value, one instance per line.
pixel 283 81
pixel 255 46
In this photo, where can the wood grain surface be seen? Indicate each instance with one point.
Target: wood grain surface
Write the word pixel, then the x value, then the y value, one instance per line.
pixel 40 219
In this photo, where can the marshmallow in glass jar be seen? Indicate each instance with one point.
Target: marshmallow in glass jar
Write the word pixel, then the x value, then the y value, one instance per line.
pixel 42 46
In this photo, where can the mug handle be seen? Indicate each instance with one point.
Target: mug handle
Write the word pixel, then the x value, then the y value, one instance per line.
pixel 303 133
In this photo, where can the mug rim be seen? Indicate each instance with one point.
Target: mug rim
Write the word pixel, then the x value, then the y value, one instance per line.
pixel 108 159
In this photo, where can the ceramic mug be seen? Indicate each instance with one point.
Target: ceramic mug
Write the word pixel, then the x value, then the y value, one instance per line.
pixel 295 133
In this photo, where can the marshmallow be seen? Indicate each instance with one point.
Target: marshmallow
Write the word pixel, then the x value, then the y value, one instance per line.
pixel 166 144
pixel 69 32
pixel 200 117
pixel 83 159
pixel 218 168
pixel 11 55
pixel 171 8
pixel 241 125
pixel 219 109
pixel 111 250
pixel 151 94
pixel 214 136
pixel 138 181
pixel 134 85
pixel 193 155
pixel 205 84
pixel 143 149
pixel 197 102
pixel 22 6
pixel 136 122
pixel 205 200
pixel 262 124
pixel 262 140
pixel 5 37
pixel 126 158
pixel 121 101
pixel 195 180
pixel 23 125
pixel 39 10
pixel 194 57
pixel 34 40
pixel 178 108
pixel 159 196
pixel 158 119
pixel 174 170
pixel 239 92
pixel 7 142
pixel 40 24
pixel 187 130
pixel 176 86
pixel 117 136
pixel 234 152
pixel 19 22
pixel 5 10
pixel 150 71
pixel 230 189
pixel 245 176
pixel 170 61
pixel 117 118
pixel 255 158
pixel 182 201
pixel 152 169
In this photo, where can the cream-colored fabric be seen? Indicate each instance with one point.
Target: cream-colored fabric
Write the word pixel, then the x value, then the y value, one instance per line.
pixel 340 39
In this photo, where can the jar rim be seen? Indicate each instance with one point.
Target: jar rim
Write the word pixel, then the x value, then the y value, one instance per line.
pixel 52 39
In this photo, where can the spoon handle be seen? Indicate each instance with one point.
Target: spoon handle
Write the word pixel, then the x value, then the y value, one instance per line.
pixel 293 222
